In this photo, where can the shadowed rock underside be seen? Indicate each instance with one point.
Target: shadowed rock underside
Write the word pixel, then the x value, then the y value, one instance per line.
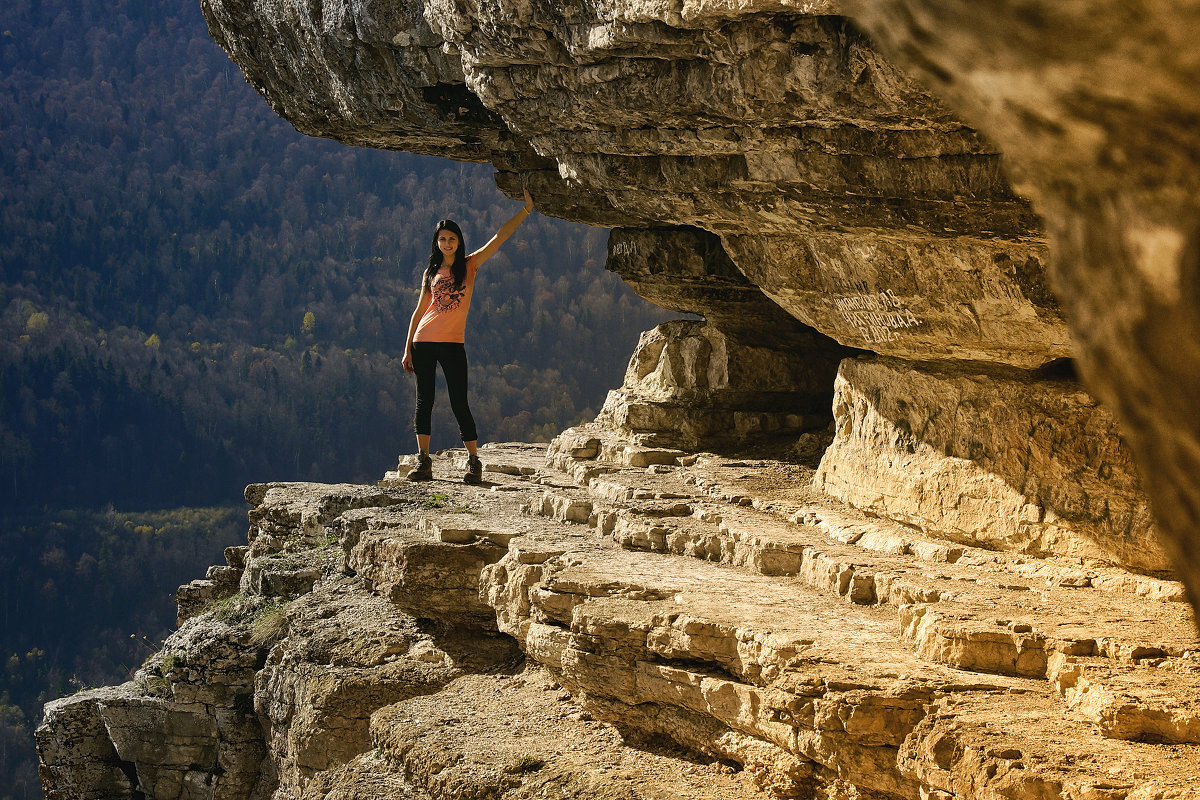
pixel 809 187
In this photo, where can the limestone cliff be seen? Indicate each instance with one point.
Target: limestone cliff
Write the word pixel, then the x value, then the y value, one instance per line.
pixel 800 182
pixel 607 620
pixel 860 532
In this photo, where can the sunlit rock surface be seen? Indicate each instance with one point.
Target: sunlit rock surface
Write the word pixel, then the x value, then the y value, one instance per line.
pixel 858 181
pixel 662 624
pixel 923 564
pixel 998 459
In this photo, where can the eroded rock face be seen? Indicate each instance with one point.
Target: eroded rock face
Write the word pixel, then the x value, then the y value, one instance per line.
pixel 689 626
pixel 76 757
pixel 777 136
pixel 687 269
pixel 769 167
pixel 1096 115
pixel 183 728
pixel 994 459
pixel 688 384
pixel 830 176
pixel 920 298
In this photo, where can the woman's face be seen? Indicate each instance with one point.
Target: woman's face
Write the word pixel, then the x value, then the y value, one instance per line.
pixel 447 242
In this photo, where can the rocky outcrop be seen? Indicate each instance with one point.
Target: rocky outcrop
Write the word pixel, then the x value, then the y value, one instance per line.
pixel 183 727
pixel 1096 117
pixel 688 383
pixel 923 564
pixel 770 167
pixel 1003 459
pixel 661 624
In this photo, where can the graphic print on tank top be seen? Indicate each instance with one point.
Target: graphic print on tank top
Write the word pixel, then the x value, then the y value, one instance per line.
pixel 445 296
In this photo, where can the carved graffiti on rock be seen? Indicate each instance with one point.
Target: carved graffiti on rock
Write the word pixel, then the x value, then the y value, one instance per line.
pixel 877 315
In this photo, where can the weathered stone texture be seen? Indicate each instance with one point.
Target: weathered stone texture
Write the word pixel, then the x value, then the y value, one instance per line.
pixel 995 459
pixel 819 651
pixel 345 654
pixel 183 728
pixel 1095 108
pixel 962 298
pixel 426 576
pixel 963 625
pixel 839 186
pixel 77 760
pixel 687 383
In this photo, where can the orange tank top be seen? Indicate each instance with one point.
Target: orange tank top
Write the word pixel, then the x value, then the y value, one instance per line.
pixel 446 318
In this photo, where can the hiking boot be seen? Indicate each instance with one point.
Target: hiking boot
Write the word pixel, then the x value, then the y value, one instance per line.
pixel 423 471
pixel 474 470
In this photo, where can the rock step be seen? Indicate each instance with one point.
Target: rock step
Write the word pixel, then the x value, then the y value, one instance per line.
pixel 770 486
pixel 424 576
pixel 967 615
pixel 785 681
pixel 427 557
pixel 749 624
pixel 1152 700
pixel 521 736
pixel 979 745
pixel 984 612
pixel 785 490
pixel 759 670
pixel 985 618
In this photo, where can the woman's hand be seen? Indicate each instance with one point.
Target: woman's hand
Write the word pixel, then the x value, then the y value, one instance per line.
pixel 408 365
pixel 476 259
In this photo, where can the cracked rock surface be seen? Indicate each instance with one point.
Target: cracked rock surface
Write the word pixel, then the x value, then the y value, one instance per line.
pixel 928 180
pixel 662 624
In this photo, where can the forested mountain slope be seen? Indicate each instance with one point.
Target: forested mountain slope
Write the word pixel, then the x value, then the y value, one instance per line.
pixel 195 296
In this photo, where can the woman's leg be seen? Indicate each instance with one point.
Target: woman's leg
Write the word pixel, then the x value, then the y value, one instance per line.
pixel 424 368
pixel 454 367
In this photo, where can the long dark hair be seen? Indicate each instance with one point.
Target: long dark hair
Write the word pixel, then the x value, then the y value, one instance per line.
pixel 459 268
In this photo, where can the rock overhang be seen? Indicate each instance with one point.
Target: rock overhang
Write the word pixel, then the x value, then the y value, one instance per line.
pixel 845 192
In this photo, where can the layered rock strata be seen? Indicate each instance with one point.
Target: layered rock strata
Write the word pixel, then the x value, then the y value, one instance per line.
pixel 783 169
pixel 688 383
pixel 1003 459
pixel 964 600
pixel 835 182
pixel 1095 108
pixel 698 626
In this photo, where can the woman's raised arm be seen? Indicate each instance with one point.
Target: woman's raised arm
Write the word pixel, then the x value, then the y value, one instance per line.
pixel 506 230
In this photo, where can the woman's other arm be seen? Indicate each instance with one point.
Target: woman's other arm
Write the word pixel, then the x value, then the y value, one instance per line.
pixel 506 230
pixel 422 307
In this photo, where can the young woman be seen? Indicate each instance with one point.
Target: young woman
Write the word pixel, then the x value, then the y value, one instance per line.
pixel 436 334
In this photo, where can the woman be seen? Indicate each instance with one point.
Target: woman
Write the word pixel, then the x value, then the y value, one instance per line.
pixel 436 334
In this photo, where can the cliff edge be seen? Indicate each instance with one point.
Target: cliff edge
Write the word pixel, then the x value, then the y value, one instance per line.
pixel 606 620
pixel 860 532
pixel 931 181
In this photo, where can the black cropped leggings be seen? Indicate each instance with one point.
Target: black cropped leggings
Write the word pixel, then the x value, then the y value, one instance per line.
pixel 453 358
